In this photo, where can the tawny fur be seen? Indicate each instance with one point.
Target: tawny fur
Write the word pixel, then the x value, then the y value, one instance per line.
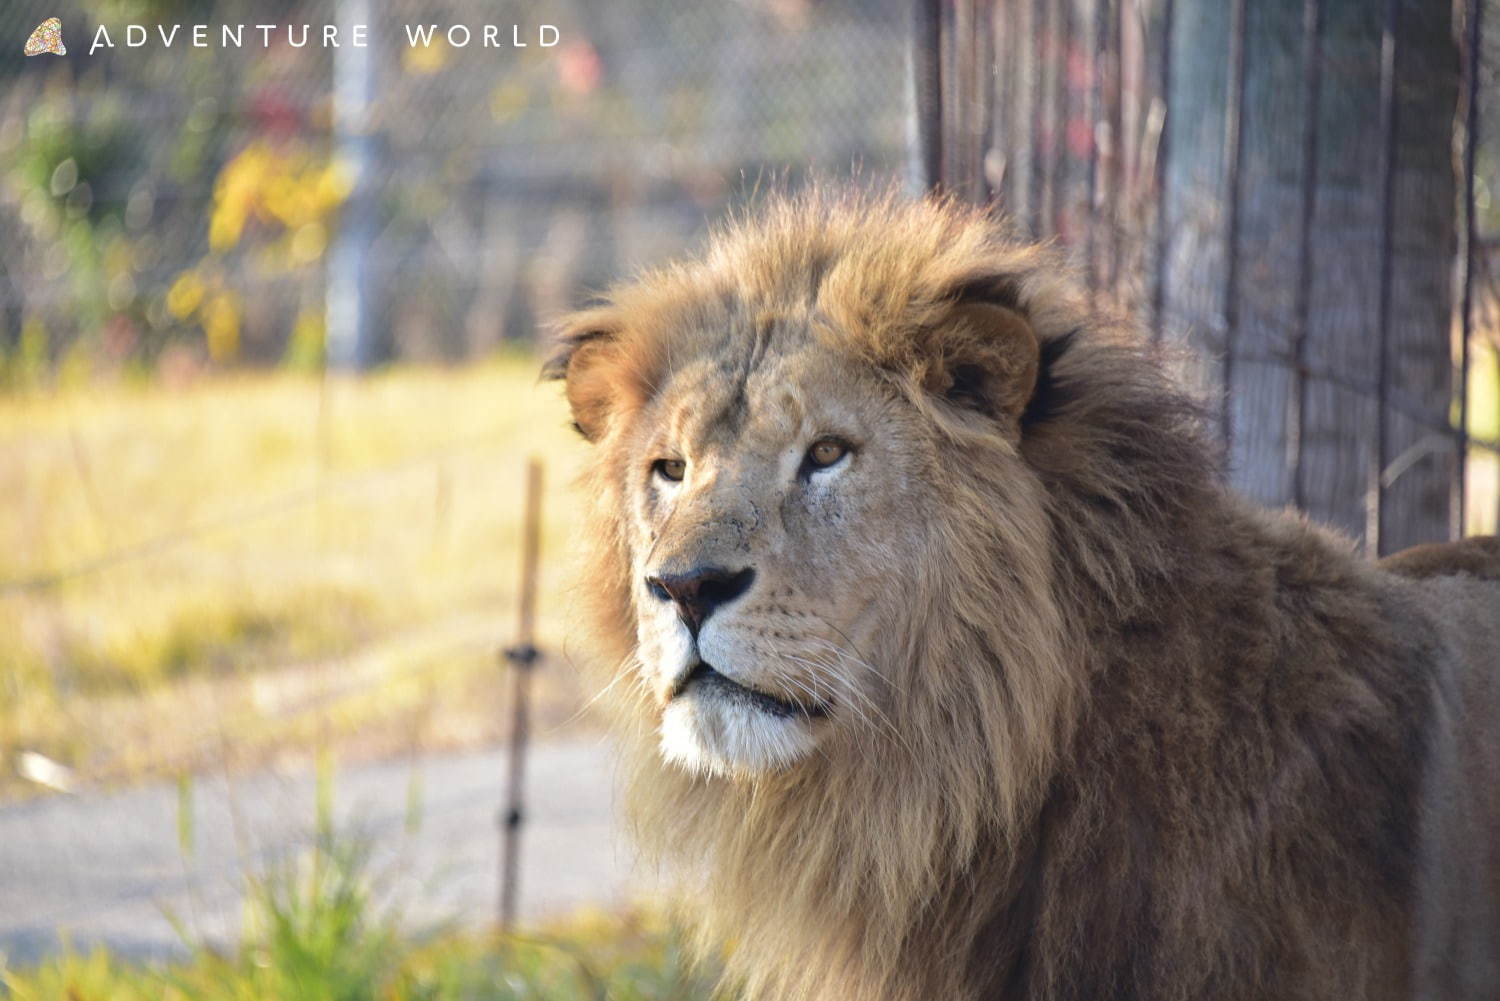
pixel 1130 737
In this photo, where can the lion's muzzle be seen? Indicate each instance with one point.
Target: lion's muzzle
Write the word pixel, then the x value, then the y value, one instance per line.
pixel 699 591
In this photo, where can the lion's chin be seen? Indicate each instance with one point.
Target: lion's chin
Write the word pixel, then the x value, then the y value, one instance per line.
pixel 710 734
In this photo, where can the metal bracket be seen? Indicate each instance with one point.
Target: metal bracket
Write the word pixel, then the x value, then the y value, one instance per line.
pixel 523 656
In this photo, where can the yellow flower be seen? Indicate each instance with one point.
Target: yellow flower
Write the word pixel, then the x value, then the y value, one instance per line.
pixel 332 185
pixel 185 294
pixel 221 326
pixel 308 243
pixel 237 193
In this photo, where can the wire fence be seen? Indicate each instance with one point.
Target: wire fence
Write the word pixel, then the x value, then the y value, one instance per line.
pixel 1297 191
pixel 471 171
pixel 174 209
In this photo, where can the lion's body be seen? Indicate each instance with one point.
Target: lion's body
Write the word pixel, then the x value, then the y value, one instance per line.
pixel 1261 787
pixel 1122 736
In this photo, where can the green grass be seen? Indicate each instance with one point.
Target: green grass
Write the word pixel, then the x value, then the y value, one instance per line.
pixel 248 559
pixel 315 931
pixel 629 957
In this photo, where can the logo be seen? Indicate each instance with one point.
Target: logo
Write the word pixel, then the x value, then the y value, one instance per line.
pixel 47 38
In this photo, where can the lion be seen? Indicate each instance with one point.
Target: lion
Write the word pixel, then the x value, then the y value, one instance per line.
pixel 950 668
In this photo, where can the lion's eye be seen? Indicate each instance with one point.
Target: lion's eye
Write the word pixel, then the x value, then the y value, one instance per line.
pixel 826 452
pixel 670 469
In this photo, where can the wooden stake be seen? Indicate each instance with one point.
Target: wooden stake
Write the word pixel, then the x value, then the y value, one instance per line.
pixel 522 657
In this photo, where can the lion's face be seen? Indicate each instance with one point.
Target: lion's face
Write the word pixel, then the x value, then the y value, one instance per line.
pixel 807 478
pixel 774 520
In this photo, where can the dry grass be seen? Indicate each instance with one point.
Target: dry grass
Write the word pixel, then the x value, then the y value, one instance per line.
pixel 303 561
pixel 300 559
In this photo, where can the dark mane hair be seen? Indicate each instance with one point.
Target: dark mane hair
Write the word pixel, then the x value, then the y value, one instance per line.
pixel 1130 776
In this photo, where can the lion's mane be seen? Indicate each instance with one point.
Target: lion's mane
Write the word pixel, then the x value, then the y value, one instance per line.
pixel 1152 743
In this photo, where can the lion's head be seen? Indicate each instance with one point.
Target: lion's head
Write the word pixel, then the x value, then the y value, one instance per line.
pixel 825 490
pixel 812 443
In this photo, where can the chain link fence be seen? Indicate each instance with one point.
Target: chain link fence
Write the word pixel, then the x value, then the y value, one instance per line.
pixel 470 171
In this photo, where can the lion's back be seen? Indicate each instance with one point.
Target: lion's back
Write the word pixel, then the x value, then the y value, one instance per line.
pixel 1477 557
pixel 1459 937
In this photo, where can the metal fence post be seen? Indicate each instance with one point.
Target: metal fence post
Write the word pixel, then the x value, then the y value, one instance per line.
pixel 522 657
pixel 348 340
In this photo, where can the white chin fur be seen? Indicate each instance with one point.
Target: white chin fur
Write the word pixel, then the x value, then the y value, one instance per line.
pixel 716 736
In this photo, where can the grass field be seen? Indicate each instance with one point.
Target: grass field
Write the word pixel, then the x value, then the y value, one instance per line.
pixel 247 565
pixel 244 564
pixel 321 928
pixel 592 957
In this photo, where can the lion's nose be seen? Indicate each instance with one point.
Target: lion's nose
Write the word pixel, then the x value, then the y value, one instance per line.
pixel 700 590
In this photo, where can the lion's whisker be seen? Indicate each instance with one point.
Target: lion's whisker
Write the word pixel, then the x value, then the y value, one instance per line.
pixel 621 673
pixel 860 703
pixel 849 658
pixel 862 658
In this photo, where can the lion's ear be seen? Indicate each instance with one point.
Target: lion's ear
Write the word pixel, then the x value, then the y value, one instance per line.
pixel 582 358
pixel 984 356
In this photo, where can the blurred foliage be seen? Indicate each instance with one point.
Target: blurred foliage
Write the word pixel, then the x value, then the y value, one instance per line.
pixel 322 944
pixel 61 172
pixel 274 205
pixel 1484 392
pixel 286 190
pixel 178 206
pixel 318 928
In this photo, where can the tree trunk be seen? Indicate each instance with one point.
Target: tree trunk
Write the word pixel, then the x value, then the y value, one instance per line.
pixel 1337 406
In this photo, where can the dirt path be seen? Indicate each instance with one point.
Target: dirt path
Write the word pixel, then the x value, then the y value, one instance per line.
pixel 101 868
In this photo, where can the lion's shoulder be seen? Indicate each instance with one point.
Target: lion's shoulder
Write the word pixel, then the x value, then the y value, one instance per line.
pixel 1478 556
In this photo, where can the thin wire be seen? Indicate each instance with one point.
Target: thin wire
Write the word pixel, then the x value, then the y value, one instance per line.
pixel 1159 167
pixel 1375 463
pixel 1312 72
pixel 1466 299
pixel 1234 154
pixel 1097 57
pixel 289 501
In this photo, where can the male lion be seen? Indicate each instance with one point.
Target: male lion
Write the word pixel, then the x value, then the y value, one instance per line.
pixel 951 670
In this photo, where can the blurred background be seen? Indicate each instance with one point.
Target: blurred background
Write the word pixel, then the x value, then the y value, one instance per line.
pixel 200 244
pixel 269 320
pixel 268 323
